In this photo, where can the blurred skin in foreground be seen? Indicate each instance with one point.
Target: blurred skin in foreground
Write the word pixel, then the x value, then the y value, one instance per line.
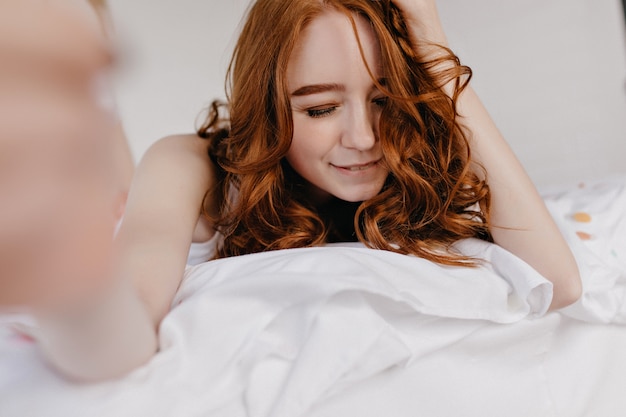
pixel 58 197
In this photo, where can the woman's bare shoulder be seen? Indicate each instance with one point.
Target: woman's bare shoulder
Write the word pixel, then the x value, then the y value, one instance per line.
pixel 171 180
pixel 176 146
pixel 179 158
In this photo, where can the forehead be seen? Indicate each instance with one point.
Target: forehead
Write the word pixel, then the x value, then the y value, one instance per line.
pixel 328 50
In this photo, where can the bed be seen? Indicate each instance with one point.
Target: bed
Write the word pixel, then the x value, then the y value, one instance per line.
pixel 346 330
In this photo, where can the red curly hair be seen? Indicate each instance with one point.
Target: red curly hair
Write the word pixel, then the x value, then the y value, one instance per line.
pixel 431 197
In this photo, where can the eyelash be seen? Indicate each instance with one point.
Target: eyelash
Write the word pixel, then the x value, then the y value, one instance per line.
pixel 381 101
pixel 318 113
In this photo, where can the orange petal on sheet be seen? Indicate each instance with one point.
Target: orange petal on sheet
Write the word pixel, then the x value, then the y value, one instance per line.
pixel 584 236
pixel 582 217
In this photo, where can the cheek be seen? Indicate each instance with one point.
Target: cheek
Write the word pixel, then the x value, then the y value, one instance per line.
pixel 299 154
pixel 303 151
pixel 312 138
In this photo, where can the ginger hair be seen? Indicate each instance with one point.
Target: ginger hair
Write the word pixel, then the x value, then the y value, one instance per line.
pixel 432 196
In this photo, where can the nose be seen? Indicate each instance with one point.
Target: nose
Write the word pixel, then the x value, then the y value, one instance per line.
pixel 361 128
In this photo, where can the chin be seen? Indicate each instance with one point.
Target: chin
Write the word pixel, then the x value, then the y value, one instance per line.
pixel 359 196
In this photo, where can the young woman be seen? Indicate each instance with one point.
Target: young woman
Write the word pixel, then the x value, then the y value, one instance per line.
pixel 346 120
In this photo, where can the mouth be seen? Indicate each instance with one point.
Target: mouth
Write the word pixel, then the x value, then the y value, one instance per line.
pixel 358 167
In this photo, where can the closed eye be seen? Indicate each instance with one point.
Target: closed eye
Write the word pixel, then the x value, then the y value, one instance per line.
pixel 317 113
pixel 380 102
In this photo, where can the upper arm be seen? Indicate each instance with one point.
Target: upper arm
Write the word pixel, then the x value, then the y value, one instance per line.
pixel 163 207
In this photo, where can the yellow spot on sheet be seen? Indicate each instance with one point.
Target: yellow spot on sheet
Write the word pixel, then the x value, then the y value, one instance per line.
pixel 582 217
pixel 584 236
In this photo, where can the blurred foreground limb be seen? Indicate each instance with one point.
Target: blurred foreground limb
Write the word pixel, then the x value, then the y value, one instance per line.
pixel 56 189
pixel 60 190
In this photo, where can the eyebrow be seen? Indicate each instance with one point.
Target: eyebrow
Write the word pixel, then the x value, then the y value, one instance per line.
pixel 317 89
pixel 323 88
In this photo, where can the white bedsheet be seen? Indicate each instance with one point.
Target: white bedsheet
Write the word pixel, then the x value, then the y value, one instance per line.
pixel 349 331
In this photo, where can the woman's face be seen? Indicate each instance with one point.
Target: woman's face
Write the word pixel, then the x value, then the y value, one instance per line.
pixel 336 109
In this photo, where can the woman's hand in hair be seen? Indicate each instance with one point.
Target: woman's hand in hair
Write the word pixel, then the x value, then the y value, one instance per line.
pixel 519 220
pixel 423 22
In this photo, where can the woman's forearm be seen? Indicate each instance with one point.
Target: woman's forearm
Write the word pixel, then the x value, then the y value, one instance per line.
pixel 102 339
pixel 520 221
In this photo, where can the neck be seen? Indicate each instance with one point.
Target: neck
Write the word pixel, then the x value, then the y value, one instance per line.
pixel 339 215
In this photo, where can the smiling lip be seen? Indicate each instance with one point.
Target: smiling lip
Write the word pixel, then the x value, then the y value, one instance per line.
pixel 358 167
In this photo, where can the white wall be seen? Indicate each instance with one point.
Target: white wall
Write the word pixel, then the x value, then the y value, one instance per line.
pixel 174 56
pixel 552 73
